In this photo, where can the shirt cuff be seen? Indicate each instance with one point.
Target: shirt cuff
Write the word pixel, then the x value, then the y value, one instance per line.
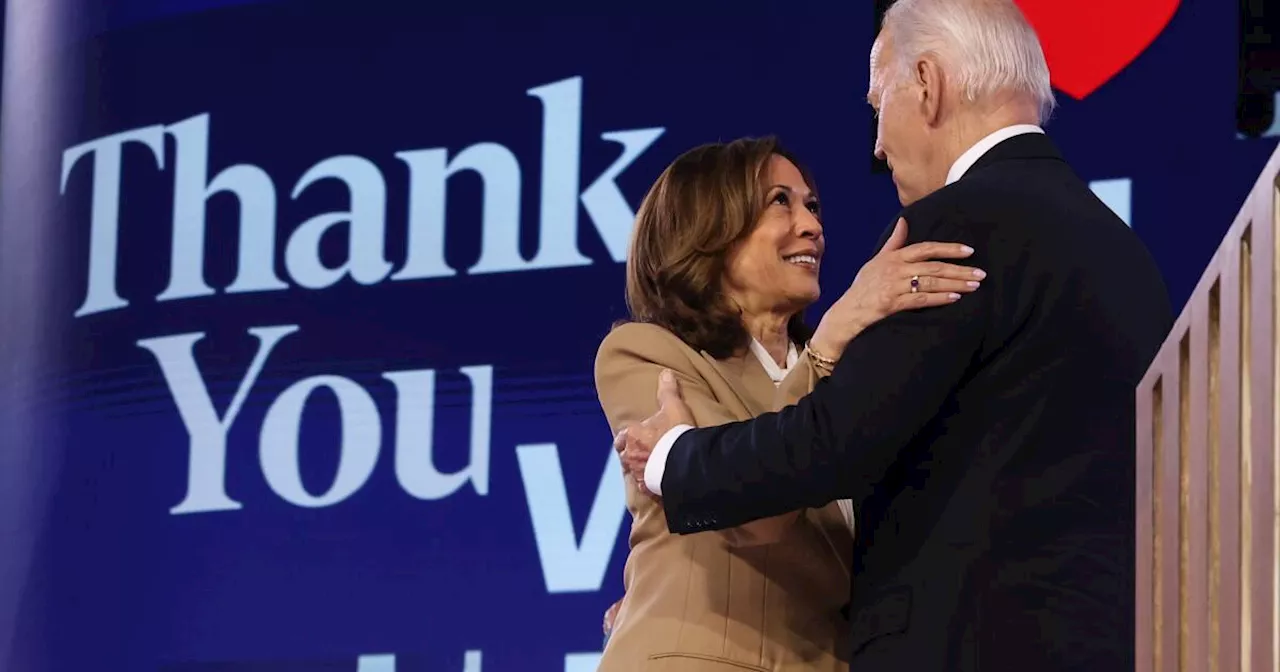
pixel 658 459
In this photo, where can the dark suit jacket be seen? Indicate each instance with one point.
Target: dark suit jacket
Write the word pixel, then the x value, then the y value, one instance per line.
pixel 988 446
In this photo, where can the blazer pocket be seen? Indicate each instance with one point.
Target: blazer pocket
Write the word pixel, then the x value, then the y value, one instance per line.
pixel 697 662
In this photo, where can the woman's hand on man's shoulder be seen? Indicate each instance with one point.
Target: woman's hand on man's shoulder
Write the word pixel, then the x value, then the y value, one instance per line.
pixel 900 277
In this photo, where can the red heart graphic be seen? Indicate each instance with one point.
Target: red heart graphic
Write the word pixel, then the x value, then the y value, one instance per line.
pixel 1087 42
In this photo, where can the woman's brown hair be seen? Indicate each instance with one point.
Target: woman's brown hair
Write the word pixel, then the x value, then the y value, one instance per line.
pixel 704 203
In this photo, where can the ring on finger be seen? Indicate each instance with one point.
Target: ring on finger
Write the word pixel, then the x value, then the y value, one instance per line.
pixel 915 284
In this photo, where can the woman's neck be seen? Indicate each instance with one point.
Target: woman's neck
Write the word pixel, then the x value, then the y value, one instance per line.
pixel 771 332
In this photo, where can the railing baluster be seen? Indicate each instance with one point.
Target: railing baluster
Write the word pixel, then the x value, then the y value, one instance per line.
pixel 1226 505
pixel 1262 440
pixel 1195 489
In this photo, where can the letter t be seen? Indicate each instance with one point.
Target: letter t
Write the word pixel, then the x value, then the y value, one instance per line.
pixel 104 222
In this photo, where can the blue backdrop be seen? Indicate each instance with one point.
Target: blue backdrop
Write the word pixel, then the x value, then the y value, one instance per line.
pixel 300 302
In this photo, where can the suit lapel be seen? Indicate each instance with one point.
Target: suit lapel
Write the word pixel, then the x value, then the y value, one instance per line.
pixel 747 379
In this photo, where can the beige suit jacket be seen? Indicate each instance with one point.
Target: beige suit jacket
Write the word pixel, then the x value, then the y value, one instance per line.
pixel 762 597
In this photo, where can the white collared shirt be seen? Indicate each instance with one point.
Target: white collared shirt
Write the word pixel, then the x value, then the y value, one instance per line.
pixel 971 156
pixel 776 373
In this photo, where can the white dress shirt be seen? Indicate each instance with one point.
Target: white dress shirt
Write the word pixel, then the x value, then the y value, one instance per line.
pixel 971 155
pixel 776 373
pixel 657 464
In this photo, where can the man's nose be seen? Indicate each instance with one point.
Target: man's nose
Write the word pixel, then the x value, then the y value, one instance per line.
pixel 879 151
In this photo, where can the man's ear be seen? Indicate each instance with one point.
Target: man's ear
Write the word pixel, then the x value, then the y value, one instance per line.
pixel 930 81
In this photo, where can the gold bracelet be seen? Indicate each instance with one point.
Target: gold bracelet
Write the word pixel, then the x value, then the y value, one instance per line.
pixel 822 361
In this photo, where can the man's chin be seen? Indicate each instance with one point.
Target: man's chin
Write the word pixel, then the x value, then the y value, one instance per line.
pixel 905 197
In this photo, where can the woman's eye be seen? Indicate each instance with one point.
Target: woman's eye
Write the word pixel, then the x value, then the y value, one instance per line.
pixel 781 198
pixel 814 207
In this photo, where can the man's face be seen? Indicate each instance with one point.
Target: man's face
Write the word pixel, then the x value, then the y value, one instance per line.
pixel 903 137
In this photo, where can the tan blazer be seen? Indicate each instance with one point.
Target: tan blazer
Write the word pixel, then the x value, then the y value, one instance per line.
pixel 765 596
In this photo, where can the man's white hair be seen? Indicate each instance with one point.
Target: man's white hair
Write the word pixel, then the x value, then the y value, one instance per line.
pixel 985 46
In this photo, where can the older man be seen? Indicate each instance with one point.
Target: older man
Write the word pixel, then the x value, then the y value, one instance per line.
pixel 987 446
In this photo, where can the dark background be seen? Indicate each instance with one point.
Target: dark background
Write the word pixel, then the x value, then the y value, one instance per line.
pixel 121 584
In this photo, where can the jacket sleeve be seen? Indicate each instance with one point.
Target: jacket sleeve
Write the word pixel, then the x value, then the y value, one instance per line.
pixel 627 368
pixel 839 440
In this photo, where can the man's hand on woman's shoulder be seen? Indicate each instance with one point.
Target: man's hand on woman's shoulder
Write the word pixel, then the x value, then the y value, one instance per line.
pixel 635 442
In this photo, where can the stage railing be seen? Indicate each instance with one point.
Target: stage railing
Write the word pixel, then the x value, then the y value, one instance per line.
pixel 1208 564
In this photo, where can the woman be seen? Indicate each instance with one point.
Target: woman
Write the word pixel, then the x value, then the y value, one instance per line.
pixel 724 260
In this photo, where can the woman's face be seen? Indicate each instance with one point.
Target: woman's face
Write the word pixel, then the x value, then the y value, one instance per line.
pixel 775 270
